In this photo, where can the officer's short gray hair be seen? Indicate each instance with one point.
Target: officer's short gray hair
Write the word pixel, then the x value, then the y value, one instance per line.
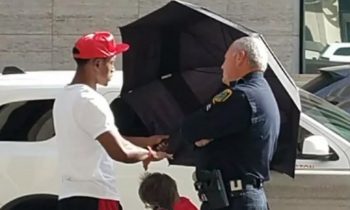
pixel 256 51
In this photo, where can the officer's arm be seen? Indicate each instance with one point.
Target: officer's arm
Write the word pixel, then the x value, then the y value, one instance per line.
pixel 218 119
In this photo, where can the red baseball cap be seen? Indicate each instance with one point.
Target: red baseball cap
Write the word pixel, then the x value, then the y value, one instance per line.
pixel 100 44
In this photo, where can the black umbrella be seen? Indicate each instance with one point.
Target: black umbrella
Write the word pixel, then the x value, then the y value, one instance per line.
pixel 173 68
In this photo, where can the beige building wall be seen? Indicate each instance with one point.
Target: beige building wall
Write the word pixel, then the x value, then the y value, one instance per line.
pixel 39 34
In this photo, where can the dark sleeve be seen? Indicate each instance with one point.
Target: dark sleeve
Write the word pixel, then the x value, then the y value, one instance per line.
pixel 218 119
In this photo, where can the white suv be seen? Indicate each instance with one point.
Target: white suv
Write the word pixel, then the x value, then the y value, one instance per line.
pixel 28 155
pixel 337 52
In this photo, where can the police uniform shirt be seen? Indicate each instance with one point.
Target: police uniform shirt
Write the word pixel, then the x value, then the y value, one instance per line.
pixel 243 121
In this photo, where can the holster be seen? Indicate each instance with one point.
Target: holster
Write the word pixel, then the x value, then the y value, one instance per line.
pixel 211 189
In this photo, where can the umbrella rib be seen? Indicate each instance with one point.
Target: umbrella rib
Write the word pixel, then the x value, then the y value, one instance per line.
pixel 224 37
pixel 203 71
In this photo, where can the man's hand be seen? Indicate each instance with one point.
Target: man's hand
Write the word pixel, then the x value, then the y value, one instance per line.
pixel 156 139
pixel 162 146
pixel 155 156
pixel 203 142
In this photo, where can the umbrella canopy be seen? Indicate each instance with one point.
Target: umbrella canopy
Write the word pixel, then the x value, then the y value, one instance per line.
pixel 174 67
pixel 333 85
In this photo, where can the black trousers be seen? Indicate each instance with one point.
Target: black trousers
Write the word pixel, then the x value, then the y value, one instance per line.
pixel 87 203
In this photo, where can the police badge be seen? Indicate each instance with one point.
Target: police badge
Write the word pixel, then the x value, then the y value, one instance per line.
pixel 222 96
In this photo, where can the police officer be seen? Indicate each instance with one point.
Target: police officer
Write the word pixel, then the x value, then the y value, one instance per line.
pixel 235 135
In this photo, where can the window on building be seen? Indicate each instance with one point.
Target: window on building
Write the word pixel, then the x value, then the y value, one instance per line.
pixel 26 121
pixel 326 26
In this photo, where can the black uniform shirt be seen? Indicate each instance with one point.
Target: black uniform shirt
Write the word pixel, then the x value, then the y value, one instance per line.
pixel 243 121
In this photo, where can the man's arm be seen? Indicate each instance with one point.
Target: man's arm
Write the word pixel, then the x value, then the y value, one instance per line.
pixel 123 151
pixel 218 119
pixel 144 142
pixel 95 118
pixel 120 149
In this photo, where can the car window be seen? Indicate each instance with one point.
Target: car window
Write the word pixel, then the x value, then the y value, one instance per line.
pixel 26 121
pixel 332 117
pixel 342 51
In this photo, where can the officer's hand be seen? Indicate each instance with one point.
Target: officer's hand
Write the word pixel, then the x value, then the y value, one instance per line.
pixel 155 156
pixel 203 142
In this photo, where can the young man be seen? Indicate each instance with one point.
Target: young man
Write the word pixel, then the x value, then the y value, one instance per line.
pixel 88 140
pixel 159 191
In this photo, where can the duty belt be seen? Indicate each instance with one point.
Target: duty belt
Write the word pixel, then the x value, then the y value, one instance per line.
pixel 238 185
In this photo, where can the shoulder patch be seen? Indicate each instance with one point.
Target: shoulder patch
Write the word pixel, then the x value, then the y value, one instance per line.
pixel 222 96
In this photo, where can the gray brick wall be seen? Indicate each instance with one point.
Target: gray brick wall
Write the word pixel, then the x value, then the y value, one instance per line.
pixel 39 34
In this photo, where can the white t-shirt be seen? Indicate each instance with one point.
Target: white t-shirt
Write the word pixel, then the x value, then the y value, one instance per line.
pixel 80 115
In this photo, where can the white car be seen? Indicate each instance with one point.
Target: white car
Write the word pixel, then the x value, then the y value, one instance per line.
pixel 28 155
pixel 322 178
pixel 336 52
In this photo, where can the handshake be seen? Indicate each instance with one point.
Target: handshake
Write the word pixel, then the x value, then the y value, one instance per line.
pixel 161 142
pixel 157 146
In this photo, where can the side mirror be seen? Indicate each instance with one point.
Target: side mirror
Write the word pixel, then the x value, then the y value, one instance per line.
pixel 316 147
